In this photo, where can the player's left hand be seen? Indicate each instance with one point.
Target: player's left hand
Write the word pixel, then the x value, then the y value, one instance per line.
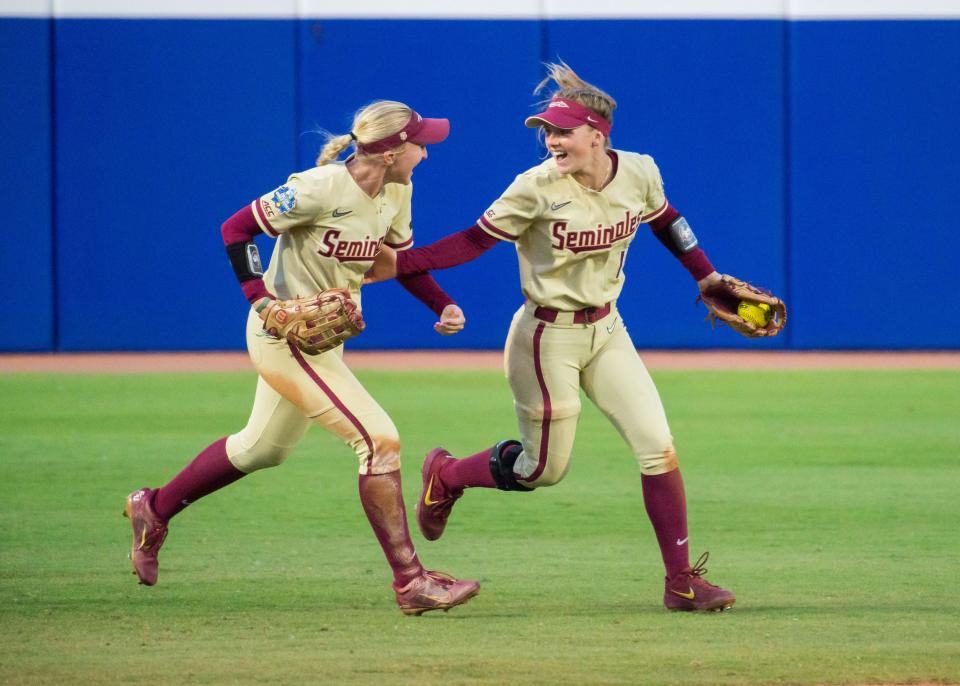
pixel 384 266
pixel 451 321
pixel 729 299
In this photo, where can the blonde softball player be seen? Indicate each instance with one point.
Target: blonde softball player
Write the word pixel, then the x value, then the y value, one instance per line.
pixel 572 219
pixel 330 222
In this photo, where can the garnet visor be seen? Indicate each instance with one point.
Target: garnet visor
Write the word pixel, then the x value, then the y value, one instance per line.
pixel 567 114
pixel 419 130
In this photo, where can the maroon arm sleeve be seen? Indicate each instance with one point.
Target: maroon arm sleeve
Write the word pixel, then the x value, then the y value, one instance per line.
pixel 695 261
pixel 457 248
pixel 425 289
pixel 241 228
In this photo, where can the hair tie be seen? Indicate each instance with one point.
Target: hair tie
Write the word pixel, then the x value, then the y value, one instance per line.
pixel 353 136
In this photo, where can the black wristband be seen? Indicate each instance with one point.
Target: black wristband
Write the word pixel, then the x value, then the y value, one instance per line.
pixel 245 260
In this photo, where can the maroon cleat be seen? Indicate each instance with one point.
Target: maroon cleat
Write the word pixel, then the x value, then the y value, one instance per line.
pixel 689 591
pixel 434 591
pixel 436 501
pixel 149 532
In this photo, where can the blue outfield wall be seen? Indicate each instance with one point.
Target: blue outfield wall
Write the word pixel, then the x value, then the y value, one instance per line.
pixel 811 157
pixel 874 119
pixel 164 129
pixel 25 179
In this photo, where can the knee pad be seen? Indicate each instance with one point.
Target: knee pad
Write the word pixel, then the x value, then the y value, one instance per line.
pixel 502 458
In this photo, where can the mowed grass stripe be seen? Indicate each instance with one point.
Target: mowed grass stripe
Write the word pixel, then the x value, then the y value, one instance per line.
pixel 828 500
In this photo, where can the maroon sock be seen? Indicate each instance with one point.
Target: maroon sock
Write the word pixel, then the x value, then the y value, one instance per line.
pixel 666 506
pixel 468 472
pixel 211 470
pixel 382 500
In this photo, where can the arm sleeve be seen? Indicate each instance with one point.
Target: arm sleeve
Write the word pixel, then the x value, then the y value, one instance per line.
pixel 425 289
pixel 695 261
pixel 241 228
pixel 449 251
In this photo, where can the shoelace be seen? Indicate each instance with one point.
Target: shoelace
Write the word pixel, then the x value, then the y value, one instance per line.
pixel 700 569
pixel 444 503
pixel 444 580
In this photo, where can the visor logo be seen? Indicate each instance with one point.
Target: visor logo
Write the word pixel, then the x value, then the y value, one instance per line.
pixel 558 103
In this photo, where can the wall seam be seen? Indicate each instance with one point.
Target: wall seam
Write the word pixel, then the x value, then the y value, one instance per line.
pixel 787 174
pixel 297 89
pixel 54 247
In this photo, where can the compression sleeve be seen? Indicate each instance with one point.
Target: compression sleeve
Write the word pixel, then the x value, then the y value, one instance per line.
pixel 425 289
pixel 694 261
pixel 238 233
pixel 450 251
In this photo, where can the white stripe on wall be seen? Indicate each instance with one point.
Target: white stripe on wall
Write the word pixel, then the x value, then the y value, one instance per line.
pixel 25 8
pixel 491 9
pixel 190 9
pixel 874 9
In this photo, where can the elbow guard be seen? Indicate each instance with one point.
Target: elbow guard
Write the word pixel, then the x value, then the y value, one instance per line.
pixel 245 260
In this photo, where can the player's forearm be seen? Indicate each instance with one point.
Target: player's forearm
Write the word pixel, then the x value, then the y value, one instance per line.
pixel 425 289
pixel 238 233
pixel 450 251
pixel 674 233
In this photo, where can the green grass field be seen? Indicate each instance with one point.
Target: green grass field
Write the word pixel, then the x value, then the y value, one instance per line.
pixel 829 500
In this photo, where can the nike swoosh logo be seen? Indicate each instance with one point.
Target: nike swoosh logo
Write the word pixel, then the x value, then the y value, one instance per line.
pixel 689 596
pixel 426 496
pixel 557 205
pixel 681 541
pixel 610 330
pixel 143 538
pixel 338 213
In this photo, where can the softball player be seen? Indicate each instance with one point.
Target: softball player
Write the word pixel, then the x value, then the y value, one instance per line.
pixel 330 222
pixel 572 219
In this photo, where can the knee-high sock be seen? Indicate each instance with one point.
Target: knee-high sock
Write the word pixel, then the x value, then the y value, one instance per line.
pixel 211 470
pixel 666 504
pixel 468 472
pixel 382 500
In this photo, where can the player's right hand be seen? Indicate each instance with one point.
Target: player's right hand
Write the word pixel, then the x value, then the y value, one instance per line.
pixel 451 321
pixel 384 266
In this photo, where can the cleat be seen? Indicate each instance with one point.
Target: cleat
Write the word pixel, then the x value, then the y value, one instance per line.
pixel 149 532
pixel 436 501
pixel 690 592
pixel 434 591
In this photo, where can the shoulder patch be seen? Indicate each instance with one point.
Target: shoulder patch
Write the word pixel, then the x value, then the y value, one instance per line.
pixel 284 199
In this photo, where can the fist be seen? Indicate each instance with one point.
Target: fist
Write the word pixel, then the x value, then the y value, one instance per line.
pixel 451 321
pixel 758 314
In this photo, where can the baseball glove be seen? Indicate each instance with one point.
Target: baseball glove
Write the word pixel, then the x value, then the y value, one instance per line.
pixel 725 297
pixel 315 324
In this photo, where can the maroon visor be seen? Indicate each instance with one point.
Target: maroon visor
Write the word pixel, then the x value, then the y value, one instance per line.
pixel 417 130
pixel 567 114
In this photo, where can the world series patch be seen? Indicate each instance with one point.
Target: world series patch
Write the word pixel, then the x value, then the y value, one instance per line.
pixel 284 199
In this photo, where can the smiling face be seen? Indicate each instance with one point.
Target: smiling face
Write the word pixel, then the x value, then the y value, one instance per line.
pixel 580 152
pixel 400 170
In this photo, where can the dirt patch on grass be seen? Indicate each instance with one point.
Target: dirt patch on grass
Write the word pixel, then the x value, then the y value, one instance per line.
pixel 125 363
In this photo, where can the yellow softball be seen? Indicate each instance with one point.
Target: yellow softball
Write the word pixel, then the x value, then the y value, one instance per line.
pixel 758 314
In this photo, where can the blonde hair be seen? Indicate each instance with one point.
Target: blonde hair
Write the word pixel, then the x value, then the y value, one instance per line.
pixel 371 123
pixel 572 87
